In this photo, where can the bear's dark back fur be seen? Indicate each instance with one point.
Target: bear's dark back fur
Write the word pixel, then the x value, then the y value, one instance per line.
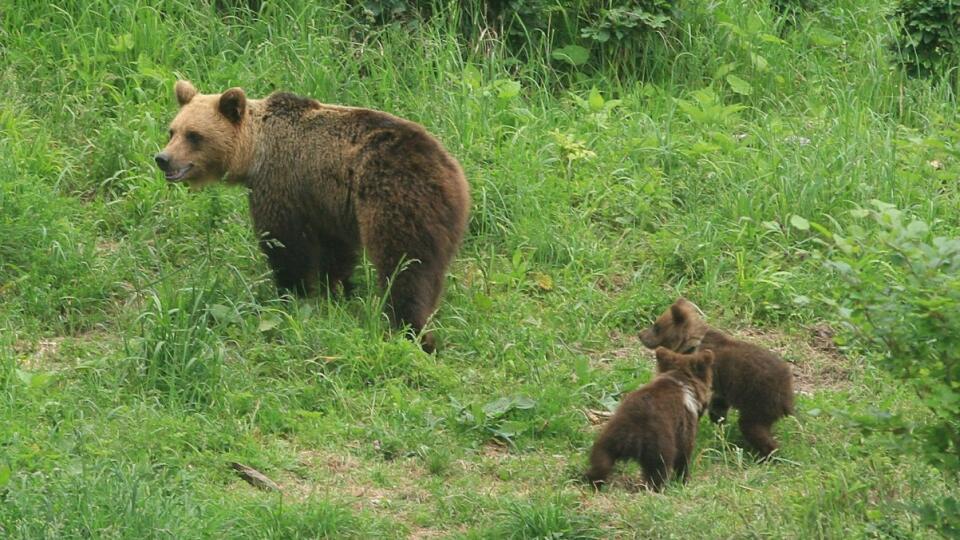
pixel 342 178
pixel 327 181
pixel 656 425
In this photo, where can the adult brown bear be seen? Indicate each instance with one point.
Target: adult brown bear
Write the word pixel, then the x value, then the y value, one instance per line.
pixel 325 181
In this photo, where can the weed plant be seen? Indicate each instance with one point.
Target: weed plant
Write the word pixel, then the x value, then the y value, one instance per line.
pixel 143 347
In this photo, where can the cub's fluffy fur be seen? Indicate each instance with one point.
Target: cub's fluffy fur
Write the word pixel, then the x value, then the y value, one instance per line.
pixel 656 425
pixel 753 380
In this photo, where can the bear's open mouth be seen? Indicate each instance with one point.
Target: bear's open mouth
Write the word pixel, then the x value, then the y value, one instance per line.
pixel 178 174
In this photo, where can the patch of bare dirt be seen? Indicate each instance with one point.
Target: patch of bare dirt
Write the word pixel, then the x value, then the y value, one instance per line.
pixel 817 361
pixel 59 352
pixel 818 364
pixel 421 533
pixel 623 346
pixel 346 477
pixel 106 247
pixel 39 355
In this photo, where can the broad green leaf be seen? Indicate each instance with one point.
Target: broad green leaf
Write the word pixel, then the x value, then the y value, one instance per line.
pixel 507 88
pixel 482 301
pixel 24 376
pixel 472 77
pixel 770 38
pixel 724 69
pixel 799 223
pixel 759 62
pixel 595 100
pixel 739 85
pixel 823 38
pixel 572 54
pixel 223 313
pixel 523 402
pixel 268 323
pixel 498 407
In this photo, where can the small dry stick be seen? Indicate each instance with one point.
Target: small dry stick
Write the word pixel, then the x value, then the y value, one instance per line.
pixel 254 477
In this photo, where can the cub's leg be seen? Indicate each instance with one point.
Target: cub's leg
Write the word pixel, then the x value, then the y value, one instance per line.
pixel 656 461
pixel 756 430
pixel 601 463
pixel 718 409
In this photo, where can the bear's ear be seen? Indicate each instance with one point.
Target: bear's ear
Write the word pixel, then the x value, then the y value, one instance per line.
pixel 233 105
pixel 184 91
pixel 665 359
pixel 679 311
pixel 704 364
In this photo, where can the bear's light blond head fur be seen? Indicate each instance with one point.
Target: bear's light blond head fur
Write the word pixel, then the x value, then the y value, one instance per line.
pixel 209 137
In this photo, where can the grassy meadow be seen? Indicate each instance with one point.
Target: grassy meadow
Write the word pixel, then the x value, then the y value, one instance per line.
pixel 143 347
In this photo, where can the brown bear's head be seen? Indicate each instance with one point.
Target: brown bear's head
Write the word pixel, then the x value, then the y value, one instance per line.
pixel 680 328
pixel 695 366
pixel 207 137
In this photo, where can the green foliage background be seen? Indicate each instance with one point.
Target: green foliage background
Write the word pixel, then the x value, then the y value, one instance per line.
pixel 143 348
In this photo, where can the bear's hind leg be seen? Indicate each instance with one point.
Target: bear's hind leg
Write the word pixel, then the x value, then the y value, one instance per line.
pixel 757 432
pixel 657 460
pixel 411 253
pixel 413 295
pixel 414 288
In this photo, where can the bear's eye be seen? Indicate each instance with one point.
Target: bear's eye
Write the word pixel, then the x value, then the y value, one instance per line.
pixel 194 138
pixel 169 134
pixel 656 328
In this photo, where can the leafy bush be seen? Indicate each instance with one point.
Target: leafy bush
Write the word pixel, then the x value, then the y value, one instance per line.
pixel 900 295
pixel 930 35
pixel 571 28
pixel 624 23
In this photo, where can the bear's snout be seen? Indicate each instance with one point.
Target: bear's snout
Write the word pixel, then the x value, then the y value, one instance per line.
pixel 646 337
pixel 163 161
pixel 170 169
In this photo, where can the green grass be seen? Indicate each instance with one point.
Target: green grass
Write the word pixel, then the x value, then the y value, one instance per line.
pixel 144 347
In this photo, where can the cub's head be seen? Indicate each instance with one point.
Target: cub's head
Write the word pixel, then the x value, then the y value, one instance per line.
pixel 680 328
pixel 205 136
pixel 696 366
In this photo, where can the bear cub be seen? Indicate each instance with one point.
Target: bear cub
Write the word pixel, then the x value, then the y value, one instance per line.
pixel 656 425
pixel 326 181
pixel 751 379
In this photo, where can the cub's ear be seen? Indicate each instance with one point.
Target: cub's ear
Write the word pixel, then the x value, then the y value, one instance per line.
pixel 666 359
pixel 184 91
pixel 704 364
pixel 679 311
pixel 233 104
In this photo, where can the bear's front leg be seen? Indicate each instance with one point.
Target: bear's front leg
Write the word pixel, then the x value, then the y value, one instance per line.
pixel 291 263
pixel 335 261
pixel 718 408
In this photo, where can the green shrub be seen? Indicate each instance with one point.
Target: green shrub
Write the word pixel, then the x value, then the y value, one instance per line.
pixel 900 295
pixel 930 35
pixel 614 30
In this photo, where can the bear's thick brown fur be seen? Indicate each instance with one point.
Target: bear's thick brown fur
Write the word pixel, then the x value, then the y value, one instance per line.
pixel 325 181
pixel 751 379
pixel 656 425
